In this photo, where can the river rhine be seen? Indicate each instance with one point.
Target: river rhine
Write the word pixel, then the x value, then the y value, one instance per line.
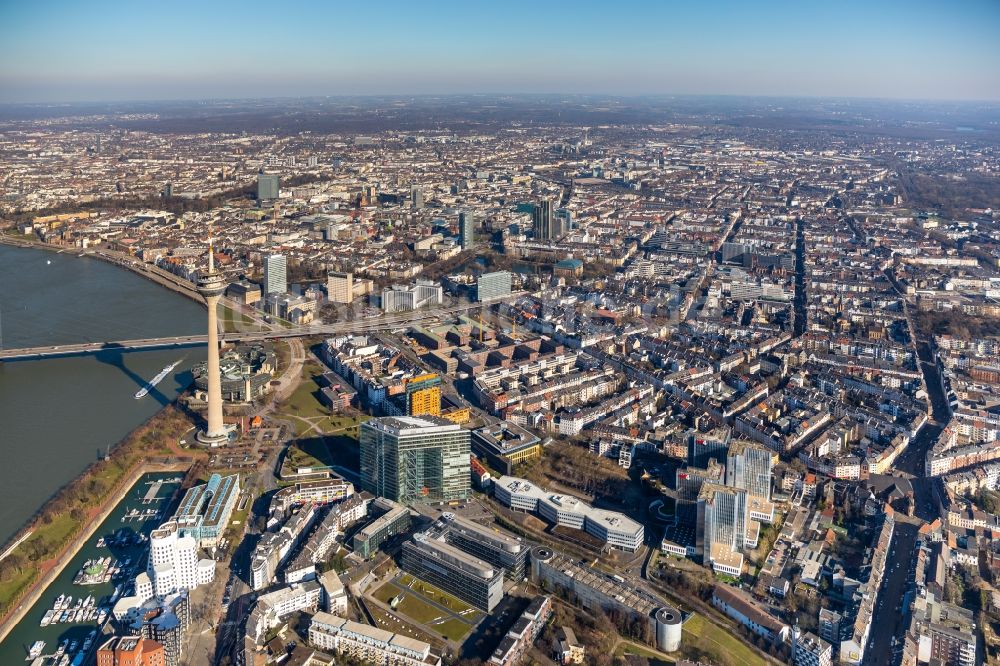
pixel 57 414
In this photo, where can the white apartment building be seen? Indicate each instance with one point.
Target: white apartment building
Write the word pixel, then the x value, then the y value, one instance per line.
pixel 367 644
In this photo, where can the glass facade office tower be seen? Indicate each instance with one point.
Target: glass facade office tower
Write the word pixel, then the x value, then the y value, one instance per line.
pixel 722 521
pixel 267 187
pixel 275 274
pixel 415 459
pixel 466 230
pixel 748 466
pixel 491 286
pixel 541 220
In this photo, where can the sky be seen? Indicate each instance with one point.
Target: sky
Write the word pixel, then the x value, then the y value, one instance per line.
pixel 117 50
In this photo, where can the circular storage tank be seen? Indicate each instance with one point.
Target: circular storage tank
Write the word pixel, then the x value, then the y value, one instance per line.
pixel 668 629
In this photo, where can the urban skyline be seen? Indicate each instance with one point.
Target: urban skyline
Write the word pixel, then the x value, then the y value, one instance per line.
pixel 667 349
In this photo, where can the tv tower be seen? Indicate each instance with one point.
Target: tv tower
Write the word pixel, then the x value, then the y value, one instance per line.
pixel 211 285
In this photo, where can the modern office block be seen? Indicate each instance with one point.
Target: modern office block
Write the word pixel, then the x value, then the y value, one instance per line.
pixel 205 510
pixel 490 545
pixel 466 230
pixel 275 274
pixel 562 222
pixel 400 298
pixel 541 220
pixel 415 459
pixel 615 529
pixel 748 466
pixel 267 187
pixel 704 446
pixel 340 287
pixel 446 567
pixel 722 527
pixel 492 286
pixel 394 519
pixel 423 395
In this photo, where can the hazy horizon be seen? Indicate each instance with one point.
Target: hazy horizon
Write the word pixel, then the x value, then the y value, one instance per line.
pixel 497 94
pixel 110 51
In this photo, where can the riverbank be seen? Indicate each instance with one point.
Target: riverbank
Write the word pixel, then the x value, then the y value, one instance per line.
pixel 55 530
pixel 52 570
pixel 142 269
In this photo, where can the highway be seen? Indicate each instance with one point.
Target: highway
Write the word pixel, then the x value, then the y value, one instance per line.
pixel 374 324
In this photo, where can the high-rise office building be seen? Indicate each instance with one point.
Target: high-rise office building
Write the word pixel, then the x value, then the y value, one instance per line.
pixel 466 230
pixel 423 395
pixel 416 198
pixel 541 220
pixel 415 459
pixel 491 286
pixel 340 287
pixel 275 274
pixel 441 564
pixel 720 533
pixel 748 466
pixel 267 187
pixel 705 446
pixel 563 222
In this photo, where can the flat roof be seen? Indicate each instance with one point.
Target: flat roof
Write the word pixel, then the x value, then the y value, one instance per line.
pixel 613 519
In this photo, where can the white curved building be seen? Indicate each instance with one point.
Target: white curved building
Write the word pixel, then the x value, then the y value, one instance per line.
pixel 173 563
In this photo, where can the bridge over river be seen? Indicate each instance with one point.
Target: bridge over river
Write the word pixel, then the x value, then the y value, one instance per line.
pixel 361 326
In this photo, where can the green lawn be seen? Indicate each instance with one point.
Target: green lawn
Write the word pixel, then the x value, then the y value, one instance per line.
pixel 454 604
pixel 233 321
pixel 415 605
pixel 308 453
pixel 389 622
pixel 303 400
pixel 411 605
pixel 304 403
pixel 55 532
pixel 722 646
pixel 9 589
pixel 453 629
pixel 322 451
